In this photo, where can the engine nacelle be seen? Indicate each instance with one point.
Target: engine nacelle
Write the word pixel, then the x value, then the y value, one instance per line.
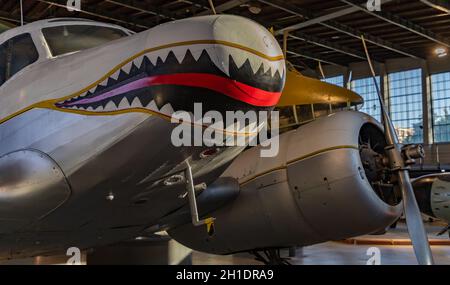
pixel 433 195
pixel 316 189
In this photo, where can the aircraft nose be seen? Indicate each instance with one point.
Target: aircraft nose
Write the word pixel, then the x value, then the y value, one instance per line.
pixel 250 55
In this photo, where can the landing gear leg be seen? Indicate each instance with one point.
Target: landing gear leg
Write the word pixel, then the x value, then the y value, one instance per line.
pixel 270 257
pixel 209 222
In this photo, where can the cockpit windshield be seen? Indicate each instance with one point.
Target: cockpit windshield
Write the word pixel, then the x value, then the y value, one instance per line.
pixel 70 38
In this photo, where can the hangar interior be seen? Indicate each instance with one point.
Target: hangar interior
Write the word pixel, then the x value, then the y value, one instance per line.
pixel 409 42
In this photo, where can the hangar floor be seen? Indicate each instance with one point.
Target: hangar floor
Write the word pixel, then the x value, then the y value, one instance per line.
pixel 353 252
pixel 394 250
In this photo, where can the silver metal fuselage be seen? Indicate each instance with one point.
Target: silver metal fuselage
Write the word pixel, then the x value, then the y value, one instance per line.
pixel 79 178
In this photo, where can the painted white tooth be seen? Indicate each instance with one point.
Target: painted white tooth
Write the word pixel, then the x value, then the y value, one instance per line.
pixel 115 75
pixel 197 53
pixel 138 61
pixel 167 109
pixel 221 63
pixel 282 68
pixel 127 67
pixel 152 106
pixel 255 63
pixel 278 66
pixel 110 107
pixel 92 90
pixel 163 54
pixel 136 103
pixel 90 109
pixel 273 67
pixel 226 65
pixel 104 82
pixel 124 104
pixel 180 55
pixel 99 109
pixel 239 58
pixel 266 66
pixel 153 57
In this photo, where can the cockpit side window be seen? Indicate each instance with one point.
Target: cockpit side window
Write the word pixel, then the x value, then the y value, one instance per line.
pixel 16 54
pixel 70 38
pixel 2 63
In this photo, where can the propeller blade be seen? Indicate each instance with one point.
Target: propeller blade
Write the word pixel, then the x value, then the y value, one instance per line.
pixel 414 221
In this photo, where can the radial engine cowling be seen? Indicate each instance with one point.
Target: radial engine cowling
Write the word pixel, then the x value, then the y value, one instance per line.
pixel 327 182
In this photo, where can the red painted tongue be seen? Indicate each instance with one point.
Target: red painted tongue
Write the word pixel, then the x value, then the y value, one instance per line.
pixel 231 88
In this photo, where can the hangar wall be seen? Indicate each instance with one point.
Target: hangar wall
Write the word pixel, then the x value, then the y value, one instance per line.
pixel 437 153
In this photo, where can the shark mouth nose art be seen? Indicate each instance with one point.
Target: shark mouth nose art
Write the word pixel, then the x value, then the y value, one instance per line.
pixel 164 82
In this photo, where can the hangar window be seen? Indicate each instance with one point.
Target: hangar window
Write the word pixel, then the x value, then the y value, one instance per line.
pixel 366 88
pixel 305 113
pixel 322 110
pixel 72 38
pixel 440 88
pixel 405 98
pixel 287 116
pixel 16 54
pixel 337 80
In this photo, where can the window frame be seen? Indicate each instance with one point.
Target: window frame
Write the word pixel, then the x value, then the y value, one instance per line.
pixel 433 102
pixel 329 80
pixel 36 49
pixel 368 84
pixel 396 95
pixel 49 48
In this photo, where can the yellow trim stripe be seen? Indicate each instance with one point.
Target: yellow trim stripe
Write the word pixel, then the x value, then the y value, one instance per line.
pixel 152 113
pixel 309 155
pixel 322 151
pixel 49 103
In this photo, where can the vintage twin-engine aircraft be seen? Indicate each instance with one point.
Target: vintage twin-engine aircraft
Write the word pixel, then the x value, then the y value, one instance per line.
pixel 86 157
pixel 85 122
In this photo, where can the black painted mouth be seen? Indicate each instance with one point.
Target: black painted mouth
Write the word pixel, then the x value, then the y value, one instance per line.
pixel 179 97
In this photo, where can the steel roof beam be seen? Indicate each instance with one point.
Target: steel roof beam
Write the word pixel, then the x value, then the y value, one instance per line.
pixel 440 5
pixel 138 6
pixel 312 57
pixel 331 24
pixel 96 13
pixel 225 7
pixel 402 23
pixel 328 45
